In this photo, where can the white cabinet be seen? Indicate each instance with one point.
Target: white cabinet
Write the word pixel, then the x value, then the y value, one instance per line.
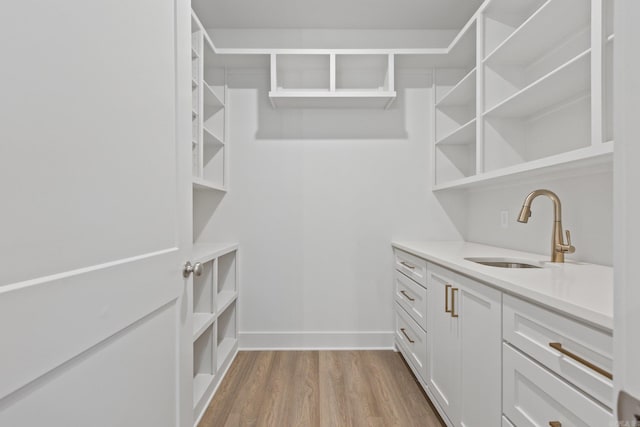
pixel 554 368
pixel 465 335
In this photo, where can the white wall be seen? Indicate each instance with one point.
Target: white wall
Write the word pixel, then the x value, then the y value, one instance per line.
pixel 586 211
pixel 316 198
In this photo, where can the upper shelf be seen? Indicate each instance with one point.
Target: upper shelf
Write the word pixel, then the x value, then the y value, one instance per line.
pixel 539 34
pixel 566 82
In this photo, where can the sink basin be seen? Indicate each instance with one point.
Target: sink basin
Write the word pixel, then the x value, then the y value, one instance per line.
pixel 507 262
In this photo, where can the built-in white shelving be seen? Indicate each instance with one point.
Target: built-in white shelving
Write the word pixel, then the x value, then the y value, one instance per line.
pixel 210 156
pixel 523 104
pixel 332 80
pixel 214 292
pixel 571 80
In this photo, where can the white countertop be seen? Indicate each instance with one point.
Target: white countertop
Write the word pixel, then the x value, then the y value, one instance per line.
pixel 581 290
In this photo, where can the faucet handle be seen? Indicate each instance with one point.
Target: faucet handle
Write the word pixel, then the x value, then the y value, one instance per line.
pixel 568 248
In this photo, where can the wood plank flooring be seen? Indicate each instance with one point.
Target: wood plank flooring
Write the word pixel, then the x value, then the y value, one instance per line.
pixel 320 389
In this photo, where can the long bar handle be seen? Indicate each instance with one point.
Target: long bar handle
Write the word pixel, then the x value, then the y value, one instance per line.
pixel 405 334
pixel 558 346
pixel 453 302
pixel 446 298
pixel 407 296
pixel 409 266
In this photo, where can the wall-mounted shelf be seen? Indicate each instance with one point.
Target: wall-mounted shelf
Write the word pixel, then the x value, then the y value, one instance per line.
pixel 334 80
pixel 465 134
pixel 535 103
pixel 574 162
pixel 326 99
pixel 541 33
pixel 564 83
pixel 202 184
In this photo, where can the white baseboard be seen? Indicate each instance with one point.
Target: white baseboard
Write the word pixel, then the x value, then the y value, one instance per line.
pixel 315 340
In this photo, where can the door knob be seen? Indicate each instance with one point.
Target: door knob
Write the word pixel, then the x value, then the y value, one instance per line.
pixel 196 269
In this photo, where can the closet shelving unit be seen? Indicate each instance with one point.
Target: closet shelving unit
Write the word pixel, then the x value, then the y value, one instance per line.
pixel 214 294
pixel 532 91
pixel 210 153
pixel 308 78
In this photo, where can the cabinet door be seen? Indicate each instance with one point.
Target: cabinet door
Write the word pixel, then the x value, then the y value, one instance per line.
pixel 444 332
pixel 479 308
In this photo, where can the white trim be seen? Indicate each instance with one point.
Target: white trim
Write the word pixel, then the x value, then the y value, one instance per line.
pixel 316 340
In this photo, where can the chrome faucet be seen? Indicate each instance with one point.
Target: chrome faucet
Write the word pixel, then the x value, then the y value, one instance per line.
pixel 558 247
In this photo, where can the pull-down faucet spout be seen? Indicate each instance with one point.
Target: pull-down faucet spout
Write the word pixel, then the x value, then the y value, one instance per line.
pixel 558 247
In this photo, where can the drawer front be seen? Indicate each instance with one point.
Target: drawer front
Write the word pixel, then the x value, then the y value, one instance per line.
pixel 412 341
pixel 532 329
pixel 412 297
pixel 412 266
pixel 533 396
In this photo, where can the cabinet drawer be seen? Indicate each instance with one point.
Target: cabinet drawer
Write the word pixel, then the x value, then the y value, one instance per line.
pixel 412 266
pixel 533 396
pixel 412 297
pixel 412 341
pixel 532 329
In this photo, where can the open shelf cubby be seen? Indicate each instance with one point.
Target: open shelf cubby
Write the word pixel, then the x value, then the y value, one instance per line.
pixel 227 286
pixel 227 340
pixel 204 364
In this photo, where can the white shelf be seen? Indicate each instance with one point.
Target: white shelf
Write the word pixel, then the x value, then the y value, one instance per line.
pixel 562 84
pixel 226 349
pixel 290 98
pixel 212 101
pixel 463 93
pixel 201 383
pixel 211 138
pixel 201 321
pixel 225 298
pixel 202 184
pixel 541 32
pixel 204 252
pixel 570 162
pixel 465 134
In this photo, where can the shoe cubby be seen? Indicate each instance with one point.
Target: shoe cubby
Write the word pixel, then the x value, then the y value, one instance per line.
pixel 227 286
pixel 204 364
pixel 227 335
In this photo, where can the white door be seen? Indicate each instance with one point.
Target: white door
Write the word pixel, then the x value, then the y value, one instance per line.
pixel 94 219
pixel 627 204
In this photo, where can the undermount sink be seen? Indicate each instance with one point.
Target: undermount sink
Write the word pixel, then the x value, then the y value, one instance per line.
pixel 507 262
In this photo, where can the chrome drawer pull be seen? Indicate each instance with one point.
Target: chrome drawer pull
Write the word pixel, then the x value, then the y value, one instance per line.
pixel 407 296
pixel 405 334
pixel 558 346
pixel 409 266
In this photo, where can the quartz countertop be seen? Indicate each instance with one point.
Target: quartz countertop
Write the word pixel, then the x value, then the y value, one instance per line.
pixel 580 290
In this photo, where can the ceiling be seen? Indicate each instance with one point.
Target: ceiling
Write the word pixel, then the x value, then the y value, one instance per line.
pixel 336 14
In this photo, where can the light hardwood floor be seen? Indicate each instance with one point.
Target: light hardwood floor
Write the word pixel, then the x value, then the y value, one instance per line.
pixel 320 388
